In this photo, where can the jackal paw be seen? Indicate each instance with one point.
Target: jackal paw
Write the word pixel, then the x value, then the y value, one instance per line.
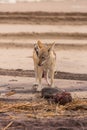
pixel 39 89
pixel 35 84
pixel 48 84
pixel 52 86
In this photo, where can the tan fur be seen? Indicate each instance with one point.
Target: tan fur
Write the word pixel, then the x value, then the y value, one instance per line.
pixel 44 58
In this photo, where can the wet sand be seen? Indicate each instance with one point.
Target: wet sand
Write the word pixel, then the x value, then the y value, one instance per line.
pixel 47 124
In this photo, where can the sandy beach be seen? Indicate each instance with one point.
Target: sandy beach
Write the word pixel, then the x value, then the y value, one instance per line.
pixel 21 25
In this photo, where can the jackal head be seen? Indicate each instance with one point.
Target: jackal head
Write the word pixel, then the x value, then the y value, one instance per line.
pixel 44 52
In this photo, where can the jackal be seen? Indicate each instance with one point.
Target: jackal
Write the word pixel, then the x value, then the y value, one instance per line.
pixel 44 58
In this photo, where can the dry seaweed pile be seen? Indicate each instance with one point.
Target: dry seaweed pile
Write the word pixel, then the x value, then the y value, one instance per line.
pixel 42 108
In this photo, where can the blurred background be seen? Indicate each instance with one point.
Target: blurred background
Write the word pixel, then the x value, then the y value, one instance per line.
pixel 23 22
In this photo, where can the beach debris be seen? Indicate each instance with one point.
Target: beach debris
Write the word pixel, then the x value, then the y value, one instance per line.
pixel 77 104
pixel 42 108
pixel 62 98
pixel 10 93
pixel 56 95
pixel 13 80
pixel 8 125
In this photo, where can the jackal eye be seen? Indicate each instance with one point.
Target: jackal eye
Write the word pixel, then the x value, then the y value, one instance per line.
pixel 43 57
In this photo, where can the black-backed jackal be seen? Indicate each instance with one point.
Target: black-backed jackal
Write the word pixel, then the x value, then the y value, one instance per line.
pixel 44 58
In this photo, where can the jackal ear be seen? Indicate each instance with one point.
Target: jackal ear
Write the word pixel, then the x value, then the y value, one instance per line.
pixel 40 44
pixel 51 47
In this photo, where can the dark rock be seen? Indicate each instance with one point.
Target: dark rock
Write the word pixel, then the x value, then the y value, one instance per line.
pixel 49 92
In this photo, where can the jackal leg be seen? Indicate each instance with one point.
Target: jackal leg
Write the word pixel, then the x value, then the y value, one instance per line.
pixel 39 74
pixel 36 76
pixel 47 78
pixel 52 77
